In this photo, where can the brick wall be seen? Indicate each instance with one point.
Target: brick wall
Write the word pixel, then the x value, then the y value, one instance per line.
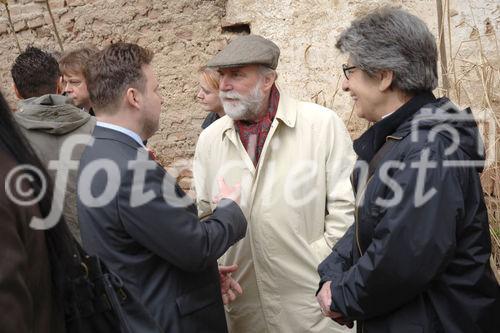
pixel 182 34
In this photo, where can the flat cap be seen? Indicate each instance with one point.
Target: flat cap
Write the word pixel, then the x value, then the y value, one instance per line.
pixel 247 50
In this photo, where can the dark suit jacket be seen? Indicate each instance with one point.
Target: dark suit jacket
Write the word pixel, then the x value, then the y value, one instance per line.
pixel 165 255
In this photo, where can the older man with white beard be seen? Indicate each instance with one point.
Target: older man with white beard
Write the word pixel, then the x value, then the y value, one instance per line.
pixel 293 160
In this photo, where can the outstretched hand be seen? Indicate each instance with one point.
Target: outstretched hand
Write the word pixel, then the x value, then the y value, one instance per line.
pixel 228 192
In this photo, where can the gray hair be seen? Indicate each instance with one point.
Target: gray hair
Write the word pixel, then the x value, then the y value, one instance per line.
pixel 265 71
pixel 391 39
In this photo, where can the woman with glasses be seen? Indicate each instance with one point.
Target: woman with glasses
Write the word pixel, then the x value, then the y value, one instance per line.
pixel 417 257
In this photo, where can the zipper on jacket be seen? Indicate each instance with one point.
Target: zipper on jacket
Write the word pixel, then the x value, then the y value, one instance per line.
pixel 361 196
pixel 356 213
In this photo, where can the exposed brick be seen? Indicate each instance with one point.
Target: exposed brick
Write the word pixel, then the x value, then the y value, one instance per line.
pixel 25 9
pixel 185 183
pixel 46 18
pixel 36 22
pixel 20 25
pixel 44 32
pixel 4 28
pixel 74 3
pixel 186 173
pixel 184 34
pixel 57 13
pixel 153 14
pixel 54 4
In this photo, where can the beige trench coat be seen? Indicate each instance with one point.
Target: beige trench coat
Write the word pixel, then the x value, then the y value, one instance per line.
pixel 298 202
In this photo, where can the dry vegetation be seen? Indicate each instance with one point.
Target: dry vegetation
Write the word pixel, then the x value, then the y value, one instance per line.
pixel 472 78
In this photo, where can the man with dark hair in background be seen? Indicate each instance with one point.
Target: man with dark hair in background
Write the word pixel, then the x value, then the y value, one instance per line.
pixel 73 65
pixel 148 231
pixel 35 73
pixel 48 119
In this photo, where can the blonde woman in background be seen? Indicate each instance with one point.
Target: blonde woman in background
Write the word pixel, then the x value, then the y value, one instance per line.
pixel 208 96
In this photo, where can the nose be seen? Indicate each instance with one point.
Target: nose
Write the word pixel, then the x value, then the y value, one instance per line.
pixel 200 95
pixel 345 84
pixel 67 88
pixel 224 84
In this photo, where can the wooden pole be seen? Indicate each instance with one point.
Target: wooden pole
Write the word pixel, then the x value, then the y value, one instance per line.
pixel 442 47
pixel 55 26
pixel 11 25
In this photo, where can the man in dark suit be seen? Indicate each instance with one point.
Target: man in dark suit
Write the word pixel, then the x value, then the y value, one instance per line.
pixel 133 214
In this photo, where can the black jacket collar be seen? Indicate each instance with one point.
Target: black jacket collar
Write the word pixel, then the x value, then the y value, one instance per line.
pixel 367 145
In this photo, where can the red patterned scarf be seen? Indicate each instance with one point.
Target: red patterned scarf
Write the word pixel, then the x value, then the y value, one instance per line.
pixel 253 135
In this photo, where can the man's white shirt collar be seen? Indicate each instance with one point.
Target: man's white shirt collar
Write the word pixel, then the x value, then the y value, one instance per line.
pixel 387 115
pixel 123 130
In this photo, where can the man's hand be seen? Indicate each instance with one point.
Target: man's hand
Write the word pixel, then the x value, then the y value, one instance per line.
pixel 228 286
pixel 324 298
pixel 228 192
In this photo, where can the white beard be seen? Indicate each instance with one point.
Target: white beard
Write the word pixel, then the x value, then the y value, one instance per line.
pixel 242 107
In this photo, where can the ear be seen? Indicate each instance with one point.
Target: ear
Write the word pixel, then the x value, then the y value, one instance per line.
pixel 386 77
pixel 268 81
pixel 60 87
pixel 133 98
pixel 16 92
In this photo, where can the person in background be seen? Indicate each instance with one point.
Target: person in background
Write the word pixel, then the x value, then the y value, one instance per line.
pixel 30 296
pixel 58 55
pixel 48 119
pixel 73 65
pixel 208 96
pixel 417 258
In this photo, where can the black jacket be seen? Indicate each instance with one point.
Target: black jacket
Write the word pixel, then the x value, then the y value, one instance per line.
pixel 420 264
pixel 166 257
pixel 210 118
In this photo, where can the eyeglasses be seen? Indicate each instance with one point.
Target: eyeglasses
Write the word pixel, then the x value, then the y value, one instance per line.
pixel 348 70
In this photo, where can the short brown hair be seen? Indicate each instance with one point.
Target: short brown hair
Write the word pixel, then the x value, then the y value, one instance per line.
pixel 210 76
pixel 76 60
pixel 115 69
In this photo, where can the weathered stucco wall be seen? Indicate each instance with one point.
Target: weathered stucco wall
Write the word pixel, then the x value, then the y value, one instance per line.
pixel 183 35
pixel 306 32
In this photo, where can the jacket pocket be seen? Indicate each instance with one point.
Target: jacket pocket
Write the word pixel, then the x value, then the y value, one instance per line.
pixel 198 299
